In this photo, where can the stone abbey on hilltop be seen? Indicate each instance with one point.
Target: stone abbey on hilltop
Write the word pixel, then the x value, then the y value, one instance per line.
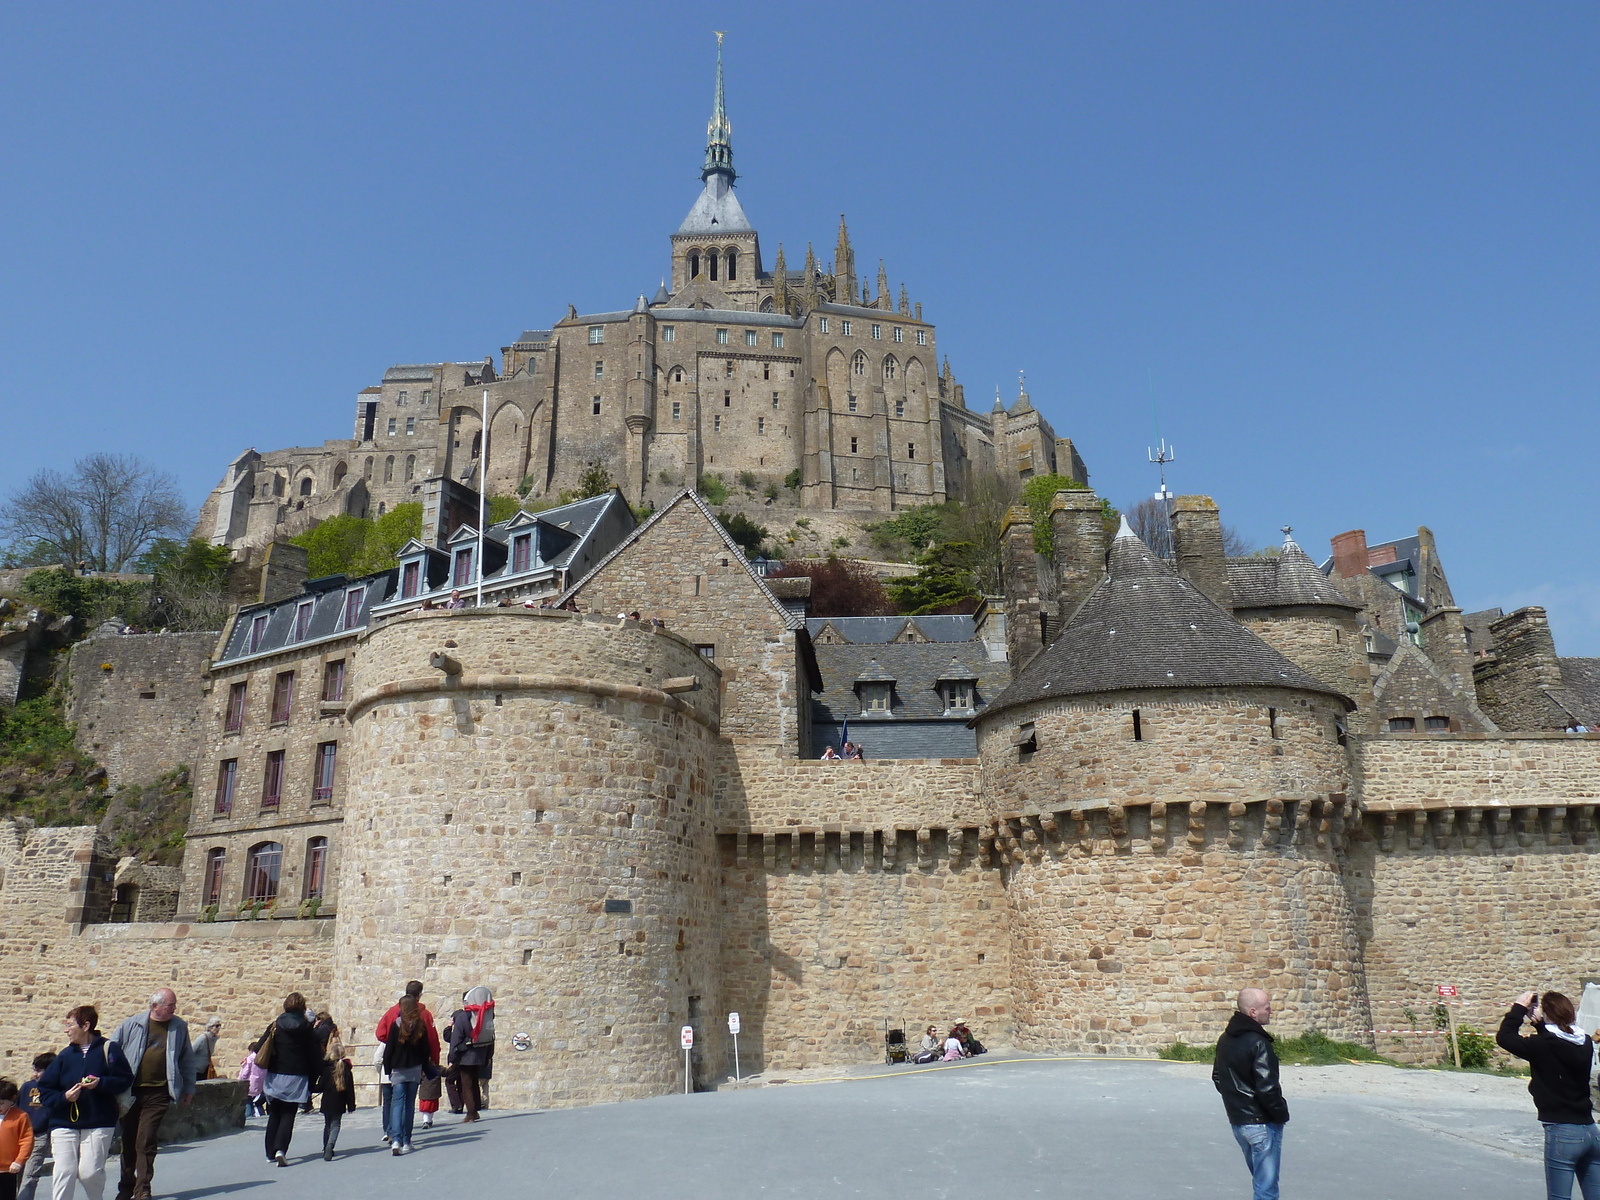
pixel 737 366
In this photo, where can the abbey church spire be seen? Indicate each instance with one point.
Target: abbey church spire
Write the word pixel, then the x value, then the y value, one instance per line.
pixel 719 135
pixel 844 267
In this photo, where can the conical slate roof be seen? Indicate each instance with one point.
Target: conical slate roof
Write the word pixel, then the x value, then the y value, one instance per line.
pixel 1145 626
pixel 1290 579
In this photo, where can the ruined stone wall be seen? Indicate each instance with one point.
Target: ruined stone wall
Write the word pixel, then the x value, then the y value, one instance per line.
pixel 138 701
pixel 826 935
pixel 541 824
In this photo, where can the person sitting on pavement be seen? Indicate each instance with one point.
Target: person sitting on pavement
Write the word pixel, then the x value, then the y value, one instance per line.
pixel 930 1050
pixel 970 1045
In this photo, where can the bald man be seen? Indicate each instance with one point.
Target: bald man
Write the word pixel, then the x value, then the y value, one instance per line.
pixel 156 1045
pixel 1246 1074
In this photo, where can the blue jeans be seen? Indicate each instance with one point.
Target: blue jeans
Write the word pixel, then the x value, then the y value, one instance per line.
pixel 402 1109
pixel 384 1092
pixel 1263 1147
pixel 1572 1152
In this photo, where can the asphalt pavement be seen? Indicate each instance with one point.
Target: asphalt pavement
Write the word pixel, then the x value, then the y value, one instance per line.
pixel 982 1130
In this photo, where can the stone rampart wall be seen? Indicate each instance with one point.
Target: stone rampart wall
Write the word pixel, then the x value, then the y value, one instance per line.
pixel 828 936
pixel 772 791
pixel 1404 771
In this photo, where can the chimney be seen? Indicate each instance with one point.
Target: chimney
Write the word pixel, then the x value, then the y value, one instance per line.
pixel 283 572
pixel 1350 554
pixel 1444 640
pixel 1197 547
pixel 1512 684
pixel 1020 562
pixel 1080 548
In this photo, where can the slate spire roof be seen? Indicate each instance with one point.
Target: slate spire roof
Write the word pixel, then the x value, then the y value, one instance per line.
pixel 1289 579
pixel 1145 626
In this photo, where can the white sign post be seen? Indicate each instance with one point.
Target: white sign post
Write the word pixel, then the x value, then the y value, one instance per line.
pixel 733 1028
pixel 687 1038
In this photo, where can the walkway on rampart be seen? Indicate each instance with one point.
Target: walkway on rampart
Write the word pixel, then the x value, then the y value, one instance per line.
pixel 981 1130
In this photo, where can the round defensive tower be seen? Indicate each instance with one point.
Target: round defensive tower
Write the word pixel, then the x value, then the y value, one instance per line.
pixel 530 808
pixel 1169 803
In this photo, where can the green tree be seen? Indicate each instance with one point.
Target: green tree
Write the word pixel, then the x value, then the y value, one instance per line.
pixel 712 489
pixel 746 532
pixel 59 590
pixel 354 546
pixel 595 481
pixel 943 582
pixel 909 533
pixel 1037 494
pixel 503 508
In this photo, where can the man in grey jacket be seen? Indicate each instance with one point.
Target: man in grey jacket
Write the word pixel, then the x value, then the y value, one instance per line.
pixel 156 1045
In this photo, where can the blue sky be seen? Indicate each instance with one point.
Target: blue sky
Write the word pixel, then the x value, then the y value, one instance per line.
pixel 1343 256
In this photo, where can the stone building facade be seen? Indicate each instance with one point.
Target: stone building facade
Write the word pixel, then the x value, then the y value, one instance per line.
pixel 787 374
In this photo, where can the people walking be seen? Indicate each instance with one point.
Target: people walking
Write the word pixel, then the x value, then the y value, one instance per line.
pixel 156 1045
pixel 414 990
pixel 1246 1075
pixel 294 1062
pixel 204 1050
pixel 412 1046
pixel 1562 1058
pixel 33 1104
pixel 385 1090
pixel 338 1088
pixel 79 1089
pixel 16 1140
pixel 472 1048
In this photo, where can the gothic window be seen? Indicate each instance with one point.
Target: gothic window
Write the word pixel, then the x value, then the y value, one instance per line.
pixel 733 265
pixel 858 364
pixel 694 264
pixel 477 443
pixel 891 368
pixel 711 263
pixel 411 466
pixel 261 879
pixel 388 469
pixel 367 470
pixel 305 486
pixel 597 334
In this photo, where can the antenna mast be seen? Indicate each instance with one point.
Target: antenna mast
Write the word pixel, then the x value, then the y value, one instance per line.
pixel 1161 456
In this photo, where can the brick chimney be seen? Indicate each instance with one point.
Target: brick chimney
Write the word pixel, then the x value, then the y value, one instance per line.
pixel 1197 547
pixel 1350 554
pixel 1511 685
pixel 1080 549
pixel 1024 629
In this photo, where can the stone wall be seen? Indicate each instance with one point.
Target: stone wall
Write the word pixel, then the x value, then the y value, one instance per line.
pixel 1414 688
pixel 1397 772
pixel 1326 643
pixel 540 823
pixel 138 701
pixel 769 791
pixel 827 935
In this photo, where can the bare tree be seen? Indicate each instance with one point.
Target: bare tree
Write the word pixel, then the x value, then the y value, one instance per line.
pixel 104 513
pixel 978 523
pixel 1150 519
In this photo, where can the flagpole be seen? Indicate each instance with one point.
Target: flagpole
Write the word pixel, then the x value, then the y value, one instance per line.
pixel 483 490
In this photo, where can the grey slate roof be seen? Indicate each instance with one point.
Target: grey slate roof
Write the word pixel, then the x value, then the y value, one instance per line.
pixel 1145 626
pixel 1580 690
pixel 1290 579
pixel 409 373
pixel 877 630
pixel 535 335
pixel 716 211
pixel 1478 635
pixel 727 316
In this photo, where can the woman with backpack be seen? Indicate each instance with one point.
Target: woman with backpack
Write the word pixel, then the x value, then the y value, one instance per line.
pixel 79 1090
pixel 338 1087
pixel 1562 1058
pixel 292 1058
pixel 472 1047
pixel 412 1045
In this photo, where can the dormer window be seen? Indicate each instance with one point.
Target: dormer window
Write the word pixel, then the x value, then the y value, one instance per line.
pixel 461 575
pixel 352 607
pixel 258 633
pixel 957 695
pixel 521 552
pixel 302 619
pixel 876 698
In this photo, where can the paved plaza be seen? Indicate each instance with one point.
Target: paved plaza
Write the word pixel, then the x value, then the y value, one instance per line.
pixel 1006 1126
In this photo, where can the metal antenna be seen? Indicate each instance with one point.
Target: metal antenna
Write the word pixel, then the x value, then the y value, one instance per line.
pixel 1161 457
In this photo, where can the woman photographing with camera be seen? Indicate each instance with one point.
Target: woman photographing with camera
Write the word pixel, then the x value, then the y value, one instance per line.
pixel 1562 1058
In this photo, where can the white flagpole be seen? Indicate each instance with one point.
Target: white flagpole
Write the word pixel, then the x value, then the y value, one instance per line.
pixel 483 489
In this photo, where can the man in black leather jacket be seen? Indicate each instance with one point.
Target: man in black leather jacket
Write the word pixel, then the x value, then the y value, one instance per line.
pixel 1246 1075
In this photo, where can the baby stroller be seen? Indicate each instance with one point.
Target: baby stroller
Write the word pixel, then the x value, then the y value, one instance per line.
pixel 894 1043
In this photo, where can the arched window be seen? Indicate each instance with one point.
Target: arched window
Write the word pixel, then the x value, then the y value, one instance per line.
pixel 367 470
pixel 477 443
pixel 711 265
pixel 411 466
pixel 733 265
pixel 316 867
pixel 388 469
pixel 339 473
pixel 216 858
pixel 858 364
pixel 890 367
pixel 694 264
pixel 305 486
pixel 261 877
pixel 277 485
